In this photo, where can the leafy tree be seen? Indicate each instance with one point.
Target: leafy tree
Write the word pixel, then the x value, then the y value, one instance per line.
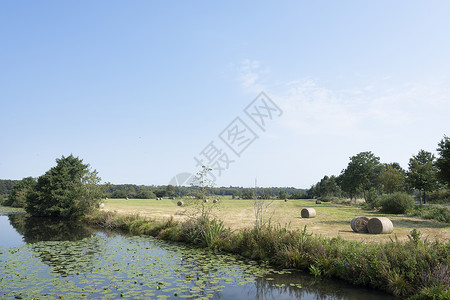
pixel 248 194
pixel 363 172
pixel 68 190
pixel 422 173
pixel 347 184
pixel 145 193
pixel 6 186
pixel 282 194
pixel 326 187
pixel 443 161
pixel 170 190
pixel 19 192
pixel 159 193
pixel 392 178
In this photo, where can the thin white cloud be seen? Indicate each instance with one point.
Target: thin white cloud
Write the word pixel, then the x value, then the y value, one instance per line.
pixel 311 109
pixel 250 73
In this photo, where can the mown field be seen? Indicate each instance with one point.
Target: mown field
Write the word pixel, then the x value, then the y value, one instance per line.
pixel 332 219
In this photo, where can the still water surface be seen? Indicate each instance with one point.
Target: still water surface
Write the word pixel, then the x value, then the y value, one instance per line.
pixel 44 258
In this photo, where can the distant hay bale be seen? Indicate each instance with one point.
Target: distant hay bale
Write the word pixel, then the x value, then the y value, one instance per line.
pixel 285 200
pixel 318 201
pixel 216 201
pixel 206 200
pixel 180 203
pixel 308 213
pixel 359 224
pixel 380 225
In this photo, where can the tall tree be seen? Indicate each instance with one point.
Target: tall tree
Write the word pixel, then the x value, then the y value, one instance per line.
pixel 170 190
pixel 363 172
pixel 443 161
pixel 327 186
pixel 422 173
pixel 68 190
pixel 19 192
pixel 392 178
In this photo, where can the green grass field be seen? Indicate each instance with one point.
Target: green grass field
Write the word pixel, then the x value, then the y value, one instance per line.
pixel 331 220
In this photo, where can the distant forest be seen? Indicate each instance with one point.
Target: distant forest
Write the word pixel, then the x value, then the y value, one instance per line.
pixel 5 186
pixel 150 192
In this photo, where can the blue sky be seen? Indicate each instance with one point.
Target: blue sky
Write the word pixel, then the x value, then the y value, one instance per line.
pixel 138 89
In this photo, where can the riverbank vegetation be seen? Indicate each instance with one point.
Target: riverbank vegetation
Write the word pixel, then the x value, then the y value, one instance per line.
pixel 418 267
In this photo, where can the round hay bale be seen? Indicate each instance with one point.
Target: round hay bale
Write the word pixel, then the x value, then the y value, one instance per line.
pixel 180 203
pixel 308 213
pixel 359 224
pixel 380 225
pixel 215 201
pixel 285 200
pixel 318 202
pixel 206 200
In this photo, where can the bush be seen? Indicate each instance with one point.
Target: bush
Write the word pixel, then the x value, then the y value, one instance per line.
pixel 396 203
pixel 373 199
pixel 328 199
pixel 439 197
pixel 440 214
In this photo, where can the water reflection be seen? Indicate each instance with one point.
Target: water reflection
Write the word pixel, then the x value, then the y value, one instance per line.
pixel 278 286
pixel 51 240
pixel 35 229
pixel 78 261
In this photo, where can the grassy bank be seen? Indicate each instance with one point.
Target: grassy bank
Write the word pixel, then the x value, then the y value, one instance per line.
pixel 9 210
pixel 416 267
pixel 332 220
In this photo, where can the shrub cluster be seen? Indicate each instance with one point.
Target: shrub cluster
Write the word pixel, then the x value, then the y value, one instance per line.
pixel 438 213
pixel 439 197
pixel 396 203
pixel 401 268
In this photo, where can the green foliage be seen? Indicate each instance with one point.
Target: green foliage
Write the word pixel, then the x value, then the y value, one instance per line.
pixel 145 193
pixel 6 186
pixel 392 178
pixel 170 190
pixel 200 208
pixel 441 214
pixel 363 171
pixel 439 196
pixel 68 190
pixel 248 194
pixel 422 172
pixel 20 191
pixel 326 187
pixel 397 203
pixel 433 293
pixel 282 195
pixel 373 199
pixel 443 161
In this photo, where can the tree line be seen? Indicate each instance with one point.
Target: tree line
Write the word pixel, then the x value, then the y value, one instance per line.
pixel 149 192
pixel 365 176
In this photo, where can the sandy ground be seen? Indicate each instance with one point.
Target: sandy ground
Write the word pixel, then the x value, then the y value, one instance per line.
pixel 331 220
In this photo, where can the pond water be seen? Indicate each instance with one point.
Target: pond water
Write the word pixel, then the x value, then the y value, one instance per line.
pixel 41 258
